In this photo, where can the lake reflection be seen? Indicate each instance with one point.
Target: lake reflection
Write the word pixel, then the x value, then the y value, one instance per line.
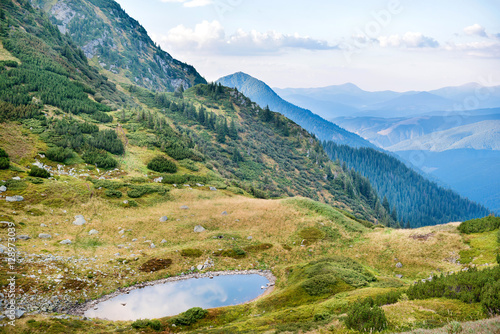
pixel 175 297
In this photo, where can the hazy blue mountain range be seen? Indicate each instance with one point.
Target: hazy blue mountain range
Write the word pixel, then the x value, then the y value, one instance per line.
pixel 262 94
pixel 386 132
pixel 473 173
pixel 350 100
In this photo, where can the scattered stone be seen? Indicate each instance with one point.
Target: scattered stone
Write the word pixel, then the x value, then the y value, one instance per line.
pixel 399 265
pixel 399 276
pixel 93 232
pixel 79 220
pixel 125 202
pixel 66 242
pixel 184 207
pixel 134 240
pixel 44 236
pixel 163 241
pixel 199 229
pixel 43 225
pixel 16 198
pixel 3 188
pixel 23 237
pixel 224 213
pixel 158 179
pixel 17 178
pixel 200 267
pixel 199 185
pixel 163 219
pixel 213 188
pixel 152 246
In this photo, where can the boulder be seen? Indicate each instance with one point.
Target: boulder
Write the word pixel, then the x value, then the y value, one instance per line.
pixel 224 213
pixel 15 198
pixel 65 242
pixel 79 220
pixel 163 219
pixel 44 236
pixel 184 207
pixel 399 276
pixel 23 237
pixel 213 188
pixel 163 241
pixel 199 229
pixel 3 188
pixel 399 265
pixel 17 178
pixel 249 237
pixel 93 232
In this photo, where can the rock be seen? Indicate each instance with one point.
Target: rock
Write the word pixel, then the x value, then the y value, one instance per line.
pixel 163 219
pixel 184 207
pixel 23 237
pixel 125 202
pixel 158 179
pixel 15 198
pixel 19 313
pixel 224 213
pixel 93 232
pixel 17 178
pixel 66 242
pixel 249 237
pixel 2 250
pixel 199 229
pixel 79 220
pixel 134 240
pixel 44 236
pixel 3 188
pixel 399 265
pixel 399 276
pixel 213 188
pixel 200 267
pixel 43 225
pixel 163 241
pixel 152 246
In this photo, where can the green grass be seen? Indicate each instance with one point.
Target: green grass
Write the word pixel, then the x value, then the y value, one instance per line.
pixel 483 248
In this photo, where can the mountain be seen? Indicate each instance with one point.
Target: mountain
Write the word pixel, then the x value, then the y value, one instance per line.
pixel 415 199
pixel 410 104
pixel 484 135
pixel 385 132
pixel 118 44
pixel 261 93
pixel 471 94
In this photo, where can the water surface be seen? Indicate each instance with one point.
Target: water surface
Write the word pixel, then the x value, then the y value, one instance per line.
pixel 172 298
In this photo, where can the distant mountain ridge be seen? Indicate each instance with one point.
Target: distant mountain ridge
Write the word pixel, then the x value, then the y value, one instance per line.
pixel 261 93
pixel 118 44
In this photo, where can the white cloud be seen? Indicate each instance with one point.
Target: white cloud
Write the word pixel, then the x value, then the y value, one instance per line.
pixel 409 40
pixel 191 3
pixel 210 37
pixel 483 49
pixel 475 29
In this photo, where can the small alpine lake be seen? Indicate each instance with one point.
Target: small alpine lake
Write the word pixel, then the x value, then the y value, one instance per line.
pixel 175 295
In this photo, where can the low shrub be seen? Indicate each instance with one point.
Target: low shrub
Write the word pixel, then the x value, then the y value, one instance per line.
pixel 258 247
pixel 145 323
pixel 480 225
pixel 490 297
pixel 320 285
pixel 113 193
pixel 4 159
pixel 191 252
pixel 100 158
pixel 161 164
pixel 189 317
pixel 310 235
pixel 38 172
pixel 189 164
pixel 59 154
pixel 455 327
pixel 364 316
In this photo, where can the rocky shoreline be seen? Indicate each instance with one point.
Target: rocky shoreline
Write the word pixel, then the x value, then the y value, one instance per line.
pixel 80 309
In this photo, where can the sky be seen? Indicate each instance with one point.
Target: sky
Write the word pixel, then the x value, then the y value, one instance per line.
pixel 398 45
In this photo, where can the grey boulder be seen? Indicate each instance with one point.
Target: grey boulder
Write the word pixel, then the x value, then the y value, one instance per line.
pixel 199 229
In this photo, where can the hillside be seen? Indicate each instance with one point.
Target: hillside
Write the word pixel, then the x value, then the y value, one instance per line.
pixel 118 44
pixel 416 199
pixel 261 93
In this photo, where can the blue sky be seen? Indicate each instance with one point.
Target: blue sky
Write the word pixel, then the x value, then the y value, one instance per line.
pixel 391 44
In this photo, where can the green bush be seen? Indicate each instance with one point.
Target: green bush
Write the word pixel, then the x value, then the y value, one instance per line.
pixel 58 154
pixel 455 327
pixel 38 172
pixel 174 179
pixel 189 317
pixel 324 316
pixel 480 225
pixel 145 323
pixel 3 154
pixel 364 316
pixel 490 297
pixel 190 252
pixel 161 164
pixel 4 163
pixel 99 158
pixel 310 235
pixel 320 285
pixel 113 193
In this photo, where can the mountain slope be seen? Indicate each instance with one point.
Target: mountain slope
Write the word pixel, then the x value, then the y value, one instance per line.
pixel 118 44
pixel 259 92
pixel 483 135
pixel 416 199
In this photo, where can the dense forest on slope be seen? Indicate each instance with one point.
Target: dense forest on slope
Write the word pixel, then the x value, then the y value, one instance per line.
pixel 210 132
pixel 416 199
pixel 118 43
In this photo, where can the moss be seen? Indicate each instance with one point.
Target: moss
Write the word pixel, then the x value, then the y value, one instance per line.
pixel 155 265
pixel 310 235
pixel 235 253
pixel 190 252
pixel 258 247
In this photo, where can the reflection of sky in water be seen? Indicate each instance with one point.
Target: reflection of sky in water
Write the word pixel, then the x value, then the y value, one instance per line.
pixel 175 297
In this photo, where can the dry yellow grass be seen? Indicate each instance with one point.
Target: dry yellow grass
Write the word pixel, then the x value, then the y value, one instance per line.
pixel 6 55
pixel 18 142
